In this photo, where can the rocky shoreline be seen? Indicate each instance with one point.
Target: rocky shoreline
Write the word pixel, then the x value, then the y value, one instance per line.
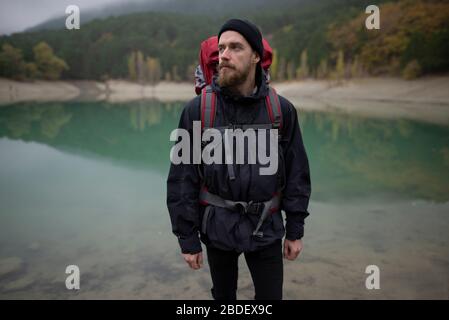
pixel 425 99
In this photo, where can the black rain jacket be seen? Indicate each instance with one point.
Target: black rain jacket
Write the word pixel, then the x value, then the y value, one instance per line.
pixel 226 229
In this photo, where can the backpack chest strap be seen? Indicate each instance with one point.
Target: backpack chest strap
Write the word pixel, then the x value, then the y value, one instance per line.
pixel 209 109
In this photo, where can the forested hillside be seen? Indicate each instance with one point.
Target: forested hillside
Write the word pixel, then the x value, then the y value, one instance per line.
pixel 321 39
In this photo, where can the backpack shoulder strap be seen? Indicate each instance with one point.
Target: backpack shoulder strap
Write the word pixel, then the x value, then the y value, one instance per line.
pixel 274 108
pixel 208 107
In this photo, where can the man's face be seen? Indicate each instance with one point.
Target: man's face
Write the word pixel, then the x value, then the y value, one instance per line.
pixel 236 59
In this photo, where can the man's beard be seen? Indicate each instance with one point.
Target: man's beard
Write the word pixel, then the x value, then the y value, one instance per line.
pixel 231 77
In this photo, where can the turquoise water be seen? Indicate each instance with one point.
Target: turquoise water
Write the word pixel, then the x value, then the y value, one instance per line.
pixel 83 183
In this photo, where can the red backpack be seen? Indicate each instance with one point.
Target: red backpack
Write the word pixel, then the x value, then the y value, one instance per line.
pixel 206 70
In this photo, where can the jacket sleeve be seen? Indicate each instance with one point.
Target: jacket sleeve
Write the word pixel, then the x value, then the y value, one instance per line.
pixel 183 186
pixel 297 189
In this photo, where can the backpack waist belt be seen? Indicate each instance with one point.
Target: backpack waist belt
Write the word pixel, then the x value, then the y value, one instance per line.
pixel 251 207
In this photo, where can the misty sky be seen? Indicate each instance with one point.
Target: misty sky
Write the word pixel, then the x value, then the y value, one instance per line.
pixel 17 15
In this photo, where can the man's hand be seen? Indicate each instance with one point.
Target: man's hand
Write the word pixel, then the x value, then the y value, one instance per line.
pixel 292 248
pixel 195 261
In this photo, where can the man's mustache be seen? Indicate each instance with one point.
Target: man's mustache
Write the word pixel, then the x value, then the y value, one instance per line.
pixel 224 64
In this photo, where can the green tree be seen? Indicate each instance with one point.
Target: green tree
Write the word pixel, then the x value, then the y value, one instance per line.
pixel 48 65
pixel 132 66
pixel 323 71
pixel 140 67
pixel 31 70
pixel 12 64
pixel 291 74
pixel 190 72
pixel 153 70
pixel 303 70
pixel 167 76
pixel 356 68
pixel 282 68
pixel 412 70
pixel 175 75
pixel 340 67
pixel 137 68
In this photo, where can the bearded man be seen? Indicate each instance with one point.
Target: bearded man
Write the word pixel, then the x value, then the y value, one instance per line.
pixel 237 195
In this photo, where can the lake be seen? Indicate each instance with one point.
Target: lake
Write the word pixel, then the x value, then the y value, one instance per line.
pixel 84 183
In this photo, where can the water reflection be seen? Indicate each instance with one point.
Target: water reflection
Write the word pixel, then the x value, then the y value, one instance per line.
pixel 134 133
pixel 355 157
pixel 350 156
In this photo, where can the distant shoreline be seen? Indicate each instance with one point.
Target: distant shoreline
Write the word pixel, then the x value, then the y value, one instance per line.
pixel 424 99
pixel 88 90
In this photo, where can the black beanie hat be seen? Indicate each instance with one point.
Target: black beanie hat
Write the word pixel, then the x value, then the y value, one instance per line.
pixel 248 30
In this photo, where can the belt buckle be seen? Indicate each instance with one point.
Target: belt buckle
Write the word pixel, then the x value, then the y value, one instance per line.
pixel 254 207
pixel 243 209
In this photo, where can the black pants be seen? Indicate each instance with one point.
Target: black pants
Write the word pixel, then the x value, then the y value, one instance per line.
pixel 265 265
